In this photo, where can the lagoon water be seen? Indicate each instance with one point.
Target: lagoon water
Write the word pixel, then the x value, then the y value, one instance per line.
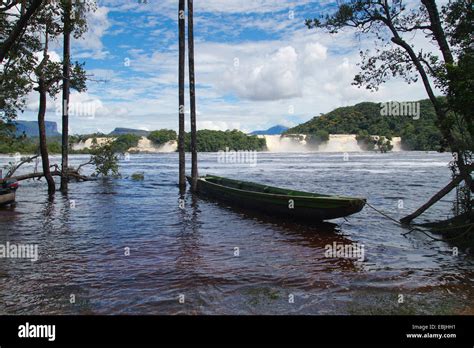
pixel 125 247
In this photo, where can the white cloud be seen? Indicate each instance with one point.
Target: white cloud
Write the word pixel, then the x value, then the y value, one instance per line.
pixel 218 125
pixel 314 52
pixel 286 76
pixel 90 45
pixel 273 77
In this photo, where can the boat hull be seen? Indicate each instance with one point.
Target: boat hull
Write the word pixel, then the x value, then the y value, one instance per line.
pixel 288 206
pixel 7 198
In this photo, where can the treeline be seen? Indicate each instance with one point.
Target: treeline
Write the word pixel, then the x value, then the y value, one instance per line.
pixel 417 133
pixel 208 141
pixel 25 145
pixel 214 141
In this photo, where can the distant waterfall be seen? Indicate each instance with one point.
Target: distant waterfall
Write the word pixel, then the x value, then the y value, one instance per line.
pixel 336 143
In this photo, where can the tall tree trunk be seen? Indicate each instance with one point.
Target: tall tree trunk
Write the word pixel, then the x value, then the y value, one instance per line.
pixel 440 37
pixel 192 97
pixel 42 137
pixel 182 48
pixel 440 110
pixel 65 106
pixel 7 45
pixel 438 31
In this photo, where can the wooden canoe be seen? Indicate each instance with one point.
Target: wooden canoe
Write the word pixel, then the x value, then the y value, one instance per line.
pixel 286 203
pixel 7 197
pixel 7 192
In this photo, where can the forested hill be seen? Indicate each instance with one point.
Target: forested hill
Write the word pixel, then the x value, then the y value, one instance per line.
pixel 366 118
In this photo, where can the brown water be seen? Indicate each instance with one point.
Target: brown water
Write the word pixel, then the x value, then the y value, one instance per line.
pixel 191 252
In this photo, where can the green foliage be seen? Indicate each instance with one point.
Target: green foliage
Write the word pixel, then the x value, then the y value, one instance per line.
pixel 371 143
pixel 365 119
pixel 105 160
pixel 459 17
pixel 365 141
pixel 162 136
pixel 124 142
pixel 17 67
pixel 22 64
pixel 450 68
pixel 422 138
pixel 214 141
pixel 384 144
pixel 54 147
pixel 317 138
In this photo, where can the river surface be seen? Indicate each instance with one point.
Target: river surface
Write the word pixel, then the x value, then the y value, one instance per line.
pixel 120 246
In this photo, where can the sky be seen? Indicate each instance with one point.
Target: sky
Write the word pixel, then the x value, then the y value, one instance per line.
pixel 257 65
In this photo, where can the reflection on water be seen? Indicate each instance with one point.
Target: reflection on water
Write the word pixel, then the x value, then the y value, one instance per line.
pixel 123 246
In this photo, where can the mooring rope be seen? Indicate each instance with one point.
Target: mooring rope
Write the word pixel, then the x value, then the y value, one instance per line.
pixel 416 228
pixel 383 214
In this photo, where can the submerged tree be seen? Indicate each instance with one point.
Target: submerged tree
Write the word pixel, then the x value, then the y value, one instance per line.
pixel 181 139
pixel 393 22
pixel 67 6
pixel 28 65
pixel 73 19
pixel 192 96
pixel 48 76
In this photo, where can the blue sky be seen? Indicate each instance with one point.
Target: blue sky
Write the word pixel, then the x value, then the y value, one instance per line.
pixel 257 65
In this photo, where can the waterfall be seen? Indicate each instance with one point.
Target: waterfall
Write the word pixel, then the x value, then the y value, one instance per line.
pixel 336 143
pixel 277 143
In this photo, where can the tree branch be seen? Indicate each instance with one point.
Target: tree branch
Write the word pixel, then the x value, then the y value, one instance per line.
pixel 18 29
pixel 14 169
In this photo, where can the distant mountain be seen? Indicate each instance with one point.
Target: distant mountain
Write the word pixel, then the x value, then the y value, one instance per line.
pixel 275 130
pixel 122 131
pixel 30 128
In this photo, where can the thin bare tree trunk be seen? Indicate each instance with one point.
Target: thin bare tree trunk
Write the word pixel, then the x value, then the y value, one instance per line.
pixel 182 48
pixel 33 176
pixel 7 45
pixel 443 192
pixel 192 97
pixel 65 106
pixel 42 138
pixel 72 174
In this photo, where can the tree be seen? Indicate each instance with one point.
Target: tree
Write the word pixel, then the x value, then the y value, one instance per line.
pixel 105 160
pixel 318 137
pixel 19 63
pixel 65 104
pixel 182 159
pixel 162 136
pixel 391 21
pixel 192 97
pixel 365 141
pixel 73 20
pixel 22 72
pixel 125 142
pixel 214 141
pixel 48 77
pixel 19 27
